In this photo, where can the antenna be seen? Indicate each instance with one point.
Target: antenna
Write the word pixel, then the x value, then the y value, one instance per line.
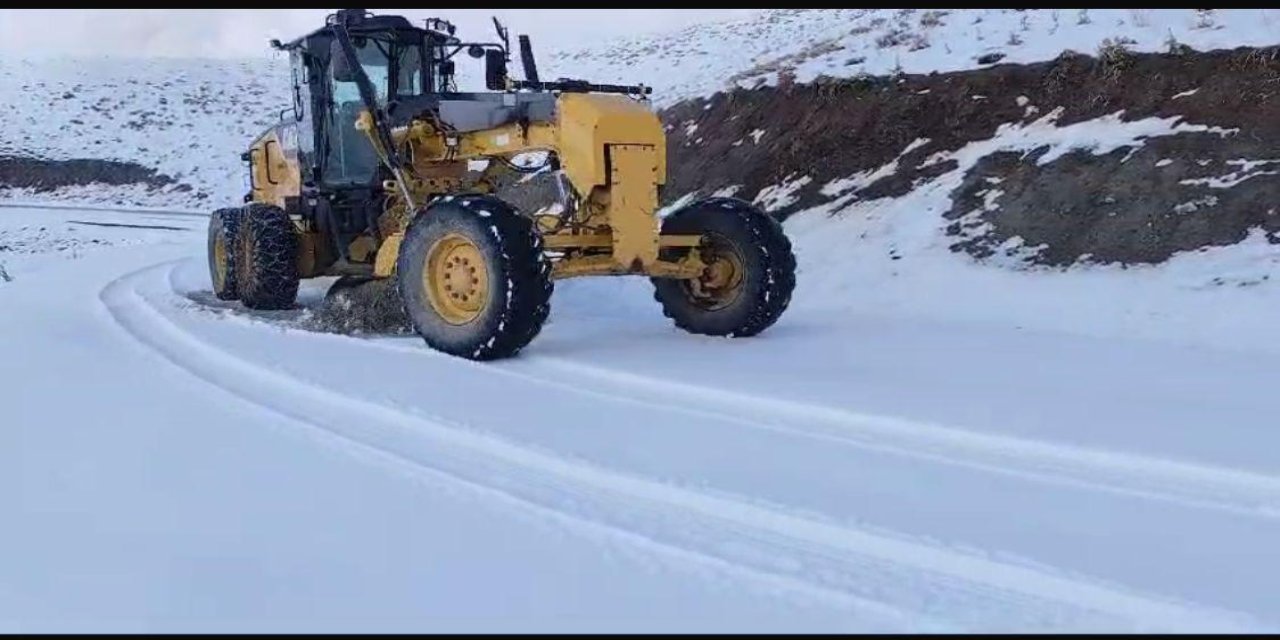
pixel 502 33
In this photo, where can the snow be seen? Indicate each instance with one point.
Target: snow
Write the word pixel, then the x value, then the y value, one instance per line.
pixel 32 239
pixel 189 119
pixel 923 443
pixel 1099 136
pixel 934 445
pixel 675 206
pixel 919 212
pixel 1237 176
pixel 866 178
pixel 775 197
pixel 1196 204
pixel 901 267
pixel 696 62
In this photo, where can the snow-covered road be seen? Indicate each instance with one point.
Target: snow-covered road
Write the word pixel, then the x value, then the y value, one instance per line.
pixel 171 463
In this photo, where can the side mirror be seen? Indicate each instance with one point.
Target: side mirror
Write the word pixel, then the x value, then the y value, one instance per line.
pixel 495 70
pixel 342 71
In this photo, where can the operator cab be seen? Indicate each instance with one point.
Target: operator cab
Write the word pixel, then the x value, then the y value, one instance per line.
pixel 399 60
pixel 407 73
pixel 410 74
pixel 411 71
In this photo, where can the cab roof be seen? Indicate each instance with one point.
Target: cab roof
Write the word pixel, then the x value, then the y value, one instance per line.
pixel 368 24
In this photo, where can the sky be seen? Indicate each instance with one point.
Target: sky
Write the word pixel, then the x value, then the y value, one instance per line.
pixel 243 33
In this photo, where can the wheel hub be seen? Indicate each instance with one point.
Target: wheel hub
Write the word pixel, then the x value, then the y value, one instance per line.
pixel 456 279
pixel 721 280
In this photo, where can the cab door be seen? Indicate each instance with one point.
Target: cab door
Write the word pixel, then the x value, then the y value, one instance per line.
pixel 351 159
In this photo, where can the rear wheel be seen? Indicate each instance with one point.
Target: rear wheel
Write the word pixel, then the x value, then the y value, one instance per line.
pixel 266 265
pixel 750 272
pixel 473 277
pixel 224 226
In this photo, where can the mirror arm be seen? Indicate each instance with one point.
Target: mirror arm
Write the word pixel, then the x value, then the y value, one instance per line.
pixel 506 41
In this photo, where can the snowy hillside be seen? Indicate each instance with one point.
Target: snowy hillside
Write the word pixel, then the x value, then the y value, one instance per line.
pixel 188 119
pixel 808 43
pixel 191 119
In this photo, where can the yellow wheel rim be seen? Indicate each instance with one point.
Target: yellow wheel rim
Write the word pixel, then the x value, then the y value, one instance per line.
pixel 219 263
pixel 721 280
pixel 456 279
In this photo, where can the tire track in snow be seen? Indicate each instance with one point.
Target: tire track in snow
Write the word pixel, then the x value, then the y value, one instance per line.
pixel 1183 483
pixel 967 590
pixel 104 209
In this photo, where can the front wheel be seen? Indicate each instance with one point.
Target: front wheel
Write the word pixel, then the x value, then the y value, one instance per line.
pixel 750 272
pixel 473 277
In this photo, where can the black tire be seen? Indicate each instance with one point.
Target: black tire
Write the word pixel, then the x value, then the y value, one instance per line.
pixel 266 267
pixel 768 269
pixel 517 298
pixel 224 228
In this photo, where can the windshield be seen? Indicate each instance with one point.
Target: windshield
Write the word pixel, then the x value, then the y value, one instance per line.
pixel 351 159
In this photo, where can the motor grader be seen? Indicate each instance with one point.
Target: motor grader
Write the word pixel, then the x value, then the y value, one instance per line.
pixel 383 169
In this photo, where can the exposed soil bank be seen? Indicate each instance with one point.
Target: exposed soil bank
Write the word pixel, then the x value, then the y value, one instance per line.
pixel 1172 194
pixel 43 176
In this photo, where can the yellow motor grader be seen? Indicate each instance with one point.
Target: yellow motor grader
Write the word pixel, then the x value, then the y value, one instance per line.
pixel 383 169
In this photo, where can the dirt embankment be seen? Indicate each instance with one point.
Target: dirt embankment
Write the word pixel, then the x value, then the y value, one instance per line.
pixel 43 176
pixel 1136 204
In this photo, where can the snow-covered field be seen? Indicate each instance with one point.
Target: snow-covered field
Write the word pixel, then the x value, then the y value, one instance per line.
pixel 173 463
